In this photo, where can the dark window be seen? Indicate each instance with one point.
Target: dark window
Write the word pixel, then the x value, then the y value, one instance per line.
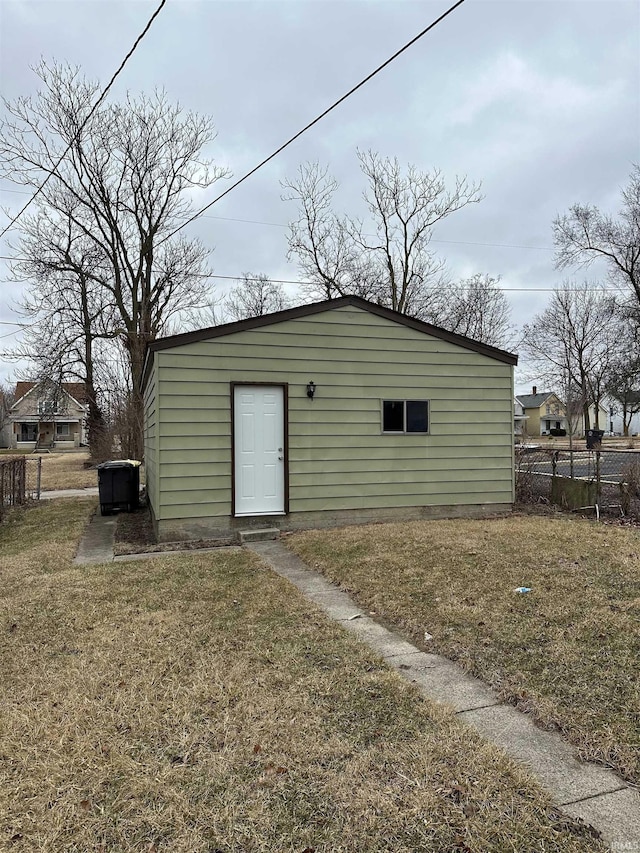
pixel 393 416
pixel 417 416
pixel 405 416
pixel 28 432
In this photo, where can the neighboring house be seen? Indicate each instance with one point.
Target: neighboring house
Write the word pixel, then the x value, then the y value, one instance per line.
pixel 614 418
pixel 546 411
pixel 336 412
pixel 603 419
pixel 47 415
pixel 520 418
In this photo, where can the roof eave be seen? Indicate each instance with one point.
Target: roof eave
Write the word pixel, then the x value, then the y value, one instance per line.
pixel 317 308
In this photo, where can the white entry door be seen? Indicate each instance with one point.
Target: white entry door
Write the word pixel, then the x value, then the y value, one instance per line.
pixel 259 449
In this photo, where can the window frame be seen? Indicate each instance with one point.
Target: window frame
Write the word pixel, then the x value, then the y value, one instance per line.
pixel 404 430
pixel 48 406
pixel 27 429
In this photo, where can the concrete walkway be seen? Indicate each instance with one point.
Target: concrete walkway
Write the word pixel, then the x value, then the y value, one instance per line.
pixel 586 791
pixel 96 545
pixel 91 491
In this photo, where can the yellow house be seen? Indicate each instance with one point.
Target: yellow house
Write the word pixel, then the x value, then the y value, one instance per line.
pixel 544 411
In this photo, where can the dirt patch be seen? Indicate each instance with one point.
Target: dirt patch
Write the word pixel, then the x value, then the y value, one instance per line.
pixel 135 535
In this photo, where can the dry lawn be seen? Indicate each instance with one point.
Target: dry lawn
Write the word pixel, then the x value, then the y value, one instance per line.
pixel 64 470
pixel 568 651
pixel 193 704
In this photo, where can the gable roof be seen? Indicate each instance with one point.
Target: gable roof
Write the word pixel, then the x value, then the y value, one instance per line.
pixel 318 308
pixel 534 401
pixel 76 390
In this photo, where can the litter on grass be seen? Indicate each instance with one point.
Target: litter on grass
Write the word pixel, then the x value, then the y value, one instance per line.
pixel 522 589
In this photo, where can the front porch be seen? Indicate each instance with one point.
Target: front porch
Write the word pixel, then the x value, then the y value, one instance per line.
pixel 32 434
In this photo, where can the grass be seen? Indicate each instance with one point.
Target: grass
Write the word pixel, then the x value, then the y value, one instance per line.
pixel 568 652
pixel 194 704
pixel 63 470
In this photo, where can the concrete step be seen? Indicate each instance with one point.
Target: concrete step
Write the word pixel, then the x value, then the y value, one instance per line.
pixel 258 534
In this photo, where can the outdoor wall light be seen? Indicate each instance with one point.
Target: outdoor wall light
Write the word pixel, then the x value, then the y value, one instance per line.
pixel 311 390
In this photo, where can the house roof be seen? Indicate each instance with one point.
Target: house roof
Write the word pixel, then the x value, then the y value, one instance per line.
pixel 317 308
pixel 77 390
pixel 534 401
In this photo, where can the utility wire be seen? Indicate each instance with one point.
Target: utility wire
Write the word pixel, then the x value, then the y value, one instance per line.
pixel 282 225
pixel 91 112
pixel 459 285
pixel 315 120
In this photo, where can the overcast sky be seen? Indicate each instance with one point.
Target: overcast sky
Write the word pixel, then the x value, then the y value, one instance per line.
pixel 537 99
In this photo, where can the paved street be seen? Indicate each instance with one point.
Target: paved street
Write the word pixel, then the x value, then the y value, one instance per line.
pixel 613 464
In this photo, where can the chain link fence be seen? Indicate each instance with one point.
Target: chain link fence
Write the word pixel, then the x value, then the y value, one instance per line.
pixel 20 481
pixel 601 480
pixel 33 477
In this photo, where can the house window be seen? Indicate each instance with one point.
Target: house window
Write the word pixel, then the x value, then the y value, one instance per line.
pixel 28 432
pixel 62 429
pixel 47 407
pixel 405 416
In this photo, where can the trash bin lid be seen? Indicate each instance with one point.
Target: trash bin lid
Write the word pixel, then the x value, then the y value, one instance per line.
pixel 119 463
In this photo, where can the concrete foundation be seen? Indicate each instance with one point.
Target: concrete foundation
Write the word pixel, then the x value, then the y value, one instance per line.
pixel 226 527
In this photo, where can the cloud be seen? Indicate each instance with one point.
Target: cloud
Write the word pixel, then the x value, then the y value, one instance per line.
pixel 510 83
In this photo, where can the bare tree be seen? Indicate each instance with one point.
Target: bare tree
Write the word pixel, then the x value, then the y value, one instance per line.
pixel 115 199
pixel 388 259
pixel 585 234
pixel 571 342
pixel 622 381
pixel 7 399
pixel 477 308
pixel 69 314
pixel 254 296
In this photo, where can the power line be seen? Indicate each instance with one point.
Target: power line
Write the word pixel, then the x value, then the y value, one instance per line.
pixel 91 112
pixel 455 284
pixel 316 120
pixel 15 332
pixel 594 289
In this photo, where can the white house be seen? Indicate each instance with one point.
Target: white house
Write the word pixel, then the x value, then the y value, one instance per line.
pixel 47 415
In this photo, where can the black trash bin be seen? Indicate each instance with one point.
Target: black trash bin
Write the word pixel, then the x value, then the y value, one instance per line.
pixel 594 438
pixel 118 485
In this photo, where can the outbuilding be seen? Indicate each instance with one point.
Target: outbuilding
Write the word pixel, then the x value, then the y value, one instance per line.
pixel 331 413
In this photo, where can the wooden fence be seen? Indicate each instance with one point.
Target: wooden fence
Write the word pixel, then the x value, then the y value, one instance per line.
pixel 13 482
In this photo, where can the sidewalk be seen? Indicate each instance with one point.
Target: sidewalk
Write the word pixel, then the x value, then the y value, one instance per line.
pixel 589 792
pixel 91 491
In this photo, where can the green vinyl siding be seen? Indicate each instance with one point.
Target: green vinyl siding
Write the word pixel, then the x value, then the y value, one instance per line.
pixel 338 456
pixel 151 404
